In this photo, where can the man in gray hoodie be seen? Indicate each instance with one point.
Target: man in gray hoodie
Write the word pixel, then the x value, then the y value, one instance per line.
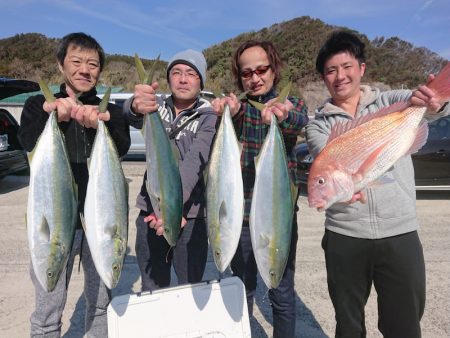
pixel 190 122
pixel 375 241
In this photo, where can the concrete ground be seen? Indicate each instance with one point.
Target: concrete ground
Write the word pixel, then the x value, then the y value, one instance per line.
pixel 315 315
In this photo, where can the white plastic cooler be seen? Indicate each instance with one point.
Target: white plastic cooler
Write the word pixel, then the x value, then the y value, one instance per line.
pixel 207 309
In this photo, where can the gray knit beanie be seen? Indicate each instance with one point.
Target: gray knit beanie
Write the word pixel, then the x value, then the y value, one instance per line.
pixel 193 59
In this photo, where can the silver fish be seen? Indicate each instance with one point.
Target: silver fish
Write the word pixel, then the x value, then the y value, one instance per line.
pixel 272 208
pixel 163 177
pixel 105 218
pixel 52 206
pixel 224 193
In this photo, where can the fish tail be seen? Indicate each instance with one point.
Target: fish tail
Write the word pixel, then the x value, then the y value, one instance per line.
pixel 441 84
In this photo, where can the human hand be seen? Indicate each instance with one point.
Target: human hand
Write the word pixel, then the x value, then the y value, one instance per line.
pixel 358 196
pixel 144 100
pixel 423 96
pixel 155 223
pixel 232 101
pixel 280 110
pixel 63 106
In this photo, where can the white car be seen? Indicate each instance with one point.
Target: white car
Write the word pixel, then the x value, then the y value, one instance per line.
pixel 137 146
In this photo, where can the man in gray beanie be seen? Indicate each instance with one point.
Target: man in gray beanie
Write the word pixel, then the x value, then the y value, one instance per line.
pixel 193 59
pixel 190 122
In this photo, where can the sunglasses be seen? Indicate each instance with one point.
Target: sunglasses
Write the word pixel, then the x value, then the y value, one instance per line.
pixel 261 70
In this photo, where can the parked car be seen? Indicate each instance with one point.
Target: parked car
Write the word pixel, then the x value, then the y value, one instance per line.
pixel 13 159
pixel 431 163
pixel 137 146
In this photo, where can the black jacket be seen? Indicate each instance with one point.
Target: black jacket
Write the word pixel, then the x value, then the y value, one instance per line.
pixel 79 140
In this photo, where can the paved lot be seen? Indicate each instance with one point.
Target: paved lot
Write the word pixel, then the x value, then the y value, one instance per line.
pixel 315 316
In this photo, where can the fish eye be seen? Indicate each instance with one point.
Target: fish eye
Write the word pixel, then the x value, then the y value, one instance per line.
pixel 49 274
pixel 115 267
pixel 321 180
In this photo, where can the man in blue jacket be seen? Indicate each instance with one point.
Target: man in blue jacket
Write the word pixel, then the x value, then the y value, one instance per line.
pixel 195 121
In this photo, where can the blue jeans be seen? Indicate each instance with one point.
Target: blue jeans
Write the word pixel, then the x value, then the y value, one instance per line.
pixel 282 298
pixel 396 267
pixel 155 257
pixel 46 319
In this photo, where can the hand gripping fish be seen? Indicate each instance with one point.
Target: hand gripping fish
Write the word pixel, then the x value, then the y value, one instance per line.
pixel 359 152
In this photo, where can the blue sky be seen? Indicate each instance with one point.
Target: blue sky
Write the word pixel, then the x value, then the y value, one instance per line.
pixel 152 27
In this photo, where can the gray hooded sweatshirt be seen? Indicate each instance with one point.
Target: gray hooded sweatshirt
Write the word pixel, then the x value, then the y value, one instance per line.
pixel 193 141
pixel 391 207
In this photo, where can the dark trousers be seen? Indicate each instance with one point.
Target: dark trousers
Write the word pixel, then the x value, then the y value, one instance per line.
pixel 282 298
pixel 394 265
pixel 155 257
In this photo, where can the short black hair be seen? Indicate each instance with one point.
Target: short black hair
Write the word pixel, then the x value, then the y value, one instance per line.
pixel 340 41
pixel 82 40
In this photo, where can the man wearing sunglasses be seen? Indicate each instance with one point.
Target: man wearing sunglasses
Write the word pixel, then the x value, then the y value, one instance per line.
pixel 256 68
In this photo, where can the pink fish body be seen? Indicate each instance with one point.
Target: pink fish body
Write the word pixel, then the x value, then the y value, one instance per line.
pixel 360 151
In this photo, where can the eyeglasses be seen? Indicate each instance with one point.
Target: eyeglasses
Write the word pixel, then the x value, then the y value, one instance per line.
pixel 190 74
pixel 261 70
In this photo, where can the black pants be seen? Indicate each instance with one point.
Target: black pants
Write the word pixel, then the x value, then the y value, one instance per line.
pixel 155 257
pixel 282 298
pixel 394 265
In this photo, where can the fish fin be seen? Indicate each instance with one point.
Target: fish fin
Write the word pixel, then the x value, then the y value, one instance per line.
pixel 441 84
pixel 140 69
pixel 294 193
pixel 175 151
pixel 264 240
pixel 420 140
pixel 257 105
pixel 83 222
pixel 342 127
pixel 240 146
pixel 44 229
pixel 152 70
pixel 103 106
pixel 368 164
pixel 284 93
pixel 382 180
pixel 205 173
pixel 222 213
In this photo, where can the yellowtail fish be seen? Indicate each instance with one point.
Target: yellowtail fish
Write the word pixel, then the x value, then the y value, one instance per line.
pixel 224 193
pixel 52 203
pixel 105 217
pixel 272 208
pixel 163 175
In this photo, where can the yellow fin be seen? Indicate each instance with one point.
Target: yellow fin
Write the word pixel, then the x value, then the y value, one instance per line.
pixel 49 97
pixel 104 103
